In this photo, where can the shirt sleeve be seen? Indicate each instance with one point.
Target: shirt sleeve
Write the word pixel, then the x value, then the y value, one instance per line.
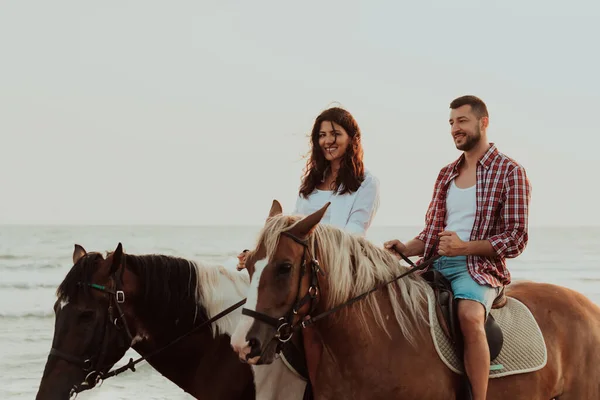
pixel 429 215
pixel 364 208
pixel 515 215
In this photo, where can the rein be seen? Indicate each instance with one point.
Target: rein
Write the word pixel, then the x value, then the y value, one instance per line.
pixel 284 326
pixel 88 365
pixel 131 364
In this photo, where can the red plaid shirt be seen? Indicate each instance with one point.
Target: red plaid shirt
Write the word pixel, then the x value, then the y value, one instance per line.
pixel 503 195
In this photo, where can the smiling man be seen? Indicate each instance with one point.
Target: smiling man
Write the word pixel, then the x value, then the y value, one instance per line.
pixel 479 212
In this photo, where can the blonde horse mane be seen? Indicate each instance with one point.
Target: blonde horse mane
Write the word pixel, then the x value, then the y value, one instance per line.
pixel 358 268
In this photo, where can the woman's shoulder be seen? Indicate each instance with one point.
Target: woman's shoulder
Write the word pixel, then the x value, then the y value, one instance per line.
pixel 370 179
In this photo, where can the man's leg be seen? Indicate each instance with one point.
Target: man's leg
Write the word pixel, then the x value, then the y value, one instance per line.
pixel 476 352
pixel 474 304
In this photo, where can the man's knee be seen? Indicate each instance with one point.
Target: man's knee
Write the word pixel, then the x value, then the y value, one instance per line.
pixel 471 315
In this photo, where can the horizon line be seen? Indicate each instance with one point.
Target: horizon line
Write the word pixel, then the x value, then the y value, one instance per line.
pixel 176 225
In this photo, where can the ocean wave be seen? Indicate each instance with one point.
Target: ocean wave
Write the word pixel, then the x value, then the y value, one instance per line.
pixel 29 267
pixel 28 285
pixel 13 257
pixel 28 314
pixel 214 255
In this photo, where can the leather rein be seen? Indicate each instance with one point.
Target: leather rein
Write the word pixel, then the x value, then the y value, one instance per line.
pixel 90 364
pixel 285 326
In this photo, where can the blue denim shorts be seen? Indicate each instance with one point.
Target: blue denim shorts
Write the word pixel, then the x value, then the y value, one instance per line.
pixel 463 285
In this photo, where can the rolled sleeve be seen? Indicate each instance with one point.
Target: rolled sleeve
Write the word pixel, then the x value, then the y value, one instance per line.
pixel 515 215
pixel 422 236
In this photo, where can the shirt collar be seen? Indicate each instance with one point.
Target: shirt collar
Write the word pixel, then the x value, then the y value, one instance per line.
pixel 485 160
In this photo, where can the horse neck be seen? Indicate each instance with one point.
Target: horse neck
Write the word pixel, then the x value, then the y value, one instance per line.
pixel 401 303
pixel 343 332
pixel 201 361
pixel 202 364
pixel 345 341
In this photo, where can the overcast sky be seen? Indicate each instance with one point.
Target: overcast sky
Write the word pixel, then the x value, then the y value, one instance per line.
pixel 191 112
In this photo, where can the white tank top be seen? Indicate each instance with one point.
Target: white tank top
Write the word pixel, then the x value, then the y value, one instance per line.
pixel 461 205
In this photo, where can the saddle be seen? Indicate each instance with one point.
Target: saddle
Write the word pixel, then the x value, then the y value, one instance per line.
pixel 446 308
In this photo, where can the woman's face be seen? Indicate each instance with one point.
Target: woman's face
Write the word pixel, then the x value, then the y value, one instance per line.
pixel 333 140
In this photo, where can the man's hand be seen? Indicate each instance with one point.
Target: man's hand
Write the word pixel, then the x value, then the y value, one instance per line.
pixel 395 247
pixel 451 245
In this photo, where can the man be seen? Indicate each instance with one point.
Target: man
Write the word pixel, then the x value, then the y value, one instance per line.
pixel 479 212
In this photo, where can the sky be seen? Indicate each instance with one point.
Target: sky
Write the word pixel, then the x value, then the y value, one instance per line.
pixel 197 113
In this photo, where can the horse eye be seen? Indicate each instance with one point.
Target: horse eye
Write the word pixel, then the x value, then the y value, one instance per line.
pixel 284 268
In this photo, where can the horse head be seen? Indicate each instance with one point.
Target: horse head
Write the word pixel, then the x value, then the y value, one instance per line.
pixel 283 287
pixel 92 329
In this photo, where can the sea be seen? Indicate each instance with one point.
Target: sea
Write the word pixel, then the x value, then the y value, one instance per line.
pixel 35 259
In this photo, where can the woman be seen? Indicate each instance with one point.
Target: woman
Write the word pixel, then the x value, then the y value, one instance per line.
pixel 335 172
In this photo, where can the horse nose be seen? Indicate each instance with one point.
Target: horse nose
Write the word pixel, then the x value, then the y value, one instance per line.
pixel 241 348
pixel 255 348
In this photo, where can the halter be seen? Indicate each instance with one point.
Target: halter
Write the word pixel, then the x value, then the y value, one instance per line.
pixel 284 326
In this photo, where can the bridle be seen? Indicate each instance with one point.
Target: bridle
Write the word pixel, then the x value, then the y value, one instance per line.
pixel 285 327
pixel 92 365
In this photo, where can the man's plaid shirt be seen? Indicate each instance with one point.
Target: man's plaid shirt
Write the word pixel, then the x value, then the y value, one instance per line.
pixel 503 196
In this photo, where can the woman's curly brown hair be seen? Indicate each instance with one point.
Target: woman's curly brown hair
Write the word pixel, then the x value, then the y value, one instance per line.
pixel 352 171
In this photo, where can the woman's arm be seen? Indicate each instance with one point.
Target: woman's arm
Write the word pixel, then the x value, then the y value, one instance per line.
pixel 365 207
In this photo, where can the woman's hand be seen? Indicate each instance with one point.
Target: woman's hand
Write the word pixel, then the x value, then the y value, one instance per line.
pixel 242 260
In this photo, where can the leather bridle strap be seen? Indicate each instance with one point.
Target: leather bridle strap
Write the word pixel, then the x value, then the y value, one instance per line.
pixel 308 322
pixel 85 365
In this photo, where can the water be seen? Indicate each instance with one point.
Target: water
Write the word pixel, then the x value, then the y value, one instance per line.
pixel 34 260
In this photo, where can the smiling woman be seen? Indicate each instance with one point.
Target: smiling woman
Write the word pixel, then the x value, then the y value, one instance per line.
pixel 335 173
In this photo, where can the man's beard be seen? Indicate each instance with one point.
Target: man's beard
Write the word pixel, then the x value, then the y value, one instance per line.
pixel 470 140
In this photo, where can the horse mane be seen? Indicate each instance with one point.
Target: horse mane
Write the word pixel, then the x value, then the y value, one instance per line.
pixel 82 271
pixel 172 288
pixel 169 285
pixel 174 285
pixel 358 268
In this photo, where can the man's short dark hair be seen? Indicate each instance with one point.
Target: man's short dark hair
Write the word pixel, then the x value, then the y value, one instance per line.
pixel 477 105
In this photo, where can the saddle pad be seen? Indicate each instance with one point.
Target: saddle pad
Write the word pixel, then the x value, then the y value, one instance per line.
pixel 524 349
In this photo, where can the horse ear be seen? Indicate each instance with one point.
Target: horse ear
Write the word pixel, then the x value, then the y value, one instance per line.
pixel 78 253
pixel 305 226
pixel 117 256
pixel 276 209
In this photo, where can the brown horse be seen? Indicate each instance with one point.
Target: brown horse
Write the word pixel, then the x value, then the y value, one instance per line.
pixel 106 306
pixel 380 347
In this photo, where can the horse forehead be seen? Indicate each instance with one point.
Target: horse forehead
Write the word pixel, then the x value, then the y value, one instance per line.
pixel 289 247
pixel 259 267
pixel 252 299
